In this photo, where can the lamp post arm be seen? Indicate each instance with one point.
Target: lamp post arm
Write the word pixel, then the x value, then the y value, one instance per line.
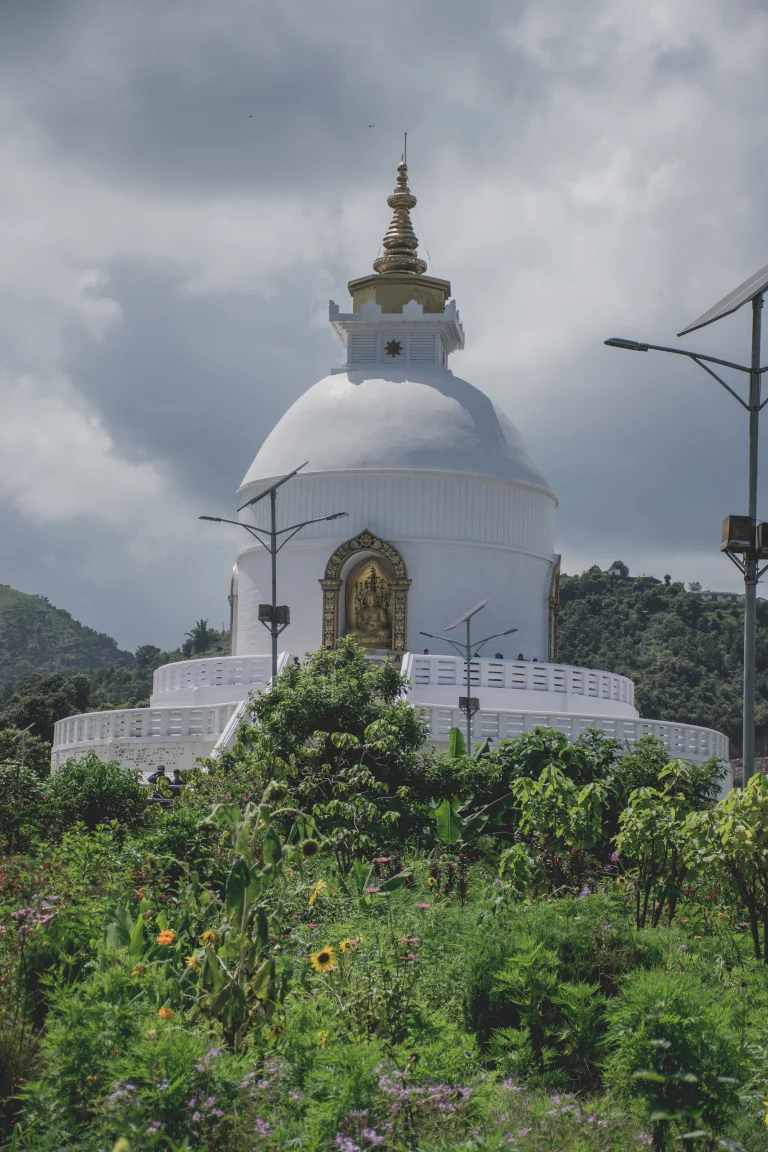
pixel 495 636
pixel 294 528
pixel 239 524
pixel 695 356
pixel 698 360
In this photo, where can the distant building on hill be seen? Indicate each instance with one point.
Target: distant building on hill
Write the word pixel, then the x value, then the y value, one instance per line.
pixel 719 597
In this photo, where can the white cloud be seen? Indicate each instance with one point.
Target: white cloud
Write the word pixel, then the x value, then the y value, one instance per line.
pixel 58 462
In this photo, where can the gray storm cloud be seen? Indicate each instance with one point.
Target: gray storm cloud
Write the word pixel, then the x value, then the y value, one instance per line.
pixel 185 185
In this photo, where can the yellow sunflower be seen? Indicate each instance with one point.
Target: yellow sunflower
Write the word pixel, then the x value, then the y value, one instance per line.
pixel 194 963
pixel 318 888
pixel 348 945
pixel 210 938
pixel 324 960
pixel 431 880
pixel 165 1013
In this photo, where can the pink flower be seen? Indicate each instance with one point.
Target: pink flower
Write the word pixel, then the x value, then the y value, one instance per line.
pixel 370 891
pixel 422 905
pixel 381 859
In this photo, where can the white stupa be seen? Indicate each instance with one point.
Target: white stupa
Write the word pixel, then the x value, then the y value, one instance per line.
pixel 444 507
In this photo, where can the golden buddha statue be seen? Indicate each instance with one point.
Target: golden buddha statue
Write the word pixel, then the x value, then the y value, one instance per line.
pixel 370 623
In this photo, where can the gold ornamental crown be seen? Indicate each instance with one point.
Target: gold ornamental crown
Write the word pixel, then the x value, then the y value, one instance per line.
pixel 375 585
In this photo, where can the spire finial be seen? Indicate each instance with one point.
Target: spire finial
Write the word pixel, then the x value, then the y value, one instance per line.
pixel 400 242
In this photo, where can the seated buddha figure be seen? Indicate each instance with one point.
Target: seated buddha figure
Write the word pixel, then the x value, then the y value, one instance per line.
pixel 373 627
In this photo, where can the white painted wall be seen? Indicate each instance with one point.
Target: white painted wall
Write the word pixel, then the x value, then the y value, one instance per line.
pixel 463 539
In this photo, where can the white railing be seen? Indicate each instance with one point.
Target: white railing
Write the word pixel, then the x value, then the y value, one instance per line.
pixel 439 671
pixel 219 672
pixel 228 737
pixel 682 741
pixel 204 723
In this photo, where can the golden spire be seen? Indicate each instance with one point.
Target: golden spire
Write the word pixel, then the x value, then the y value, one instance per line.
pixel 400 242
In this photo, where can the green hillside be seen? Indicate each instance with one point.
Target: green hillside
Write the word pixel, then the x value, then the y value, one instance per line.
pixel 36 637
pixel 684 655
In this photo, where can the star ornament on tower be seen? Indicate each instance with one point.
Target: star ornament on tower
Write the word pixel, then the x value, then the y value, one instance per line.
pixel 394 348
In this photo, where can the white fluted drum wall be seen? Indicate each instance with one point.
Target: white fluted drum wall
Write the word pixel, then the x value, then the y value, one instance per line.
pixel 462 539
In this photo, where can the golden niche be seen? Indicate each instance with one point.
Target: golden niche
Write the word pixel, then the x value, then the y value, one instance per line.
pixel 369 601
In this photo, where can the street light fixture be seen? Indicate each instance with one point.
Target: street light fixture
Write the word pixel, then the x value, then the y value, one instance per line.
pixel 469 705
pixel 742 535
pixel 275 617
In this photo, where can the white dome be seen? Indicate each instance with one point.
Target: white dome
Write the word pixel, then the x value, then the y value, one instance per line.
pixel 415 420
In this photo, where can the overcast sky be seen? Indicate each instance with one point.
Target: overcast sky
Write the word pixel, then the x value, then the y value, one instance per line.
pixel 185 184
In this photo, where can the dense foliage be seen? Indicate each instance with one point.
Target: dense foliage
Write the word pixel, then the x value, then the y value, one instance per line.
pixel 42 698
pixel 35 636
pixel 684 654
pixel 339 938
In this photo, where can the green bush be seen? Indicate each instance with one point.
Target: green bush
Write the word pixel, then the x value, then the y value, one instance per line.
pixel 92 792
pixel 674 1053
pixel 593 940
pixel 22 803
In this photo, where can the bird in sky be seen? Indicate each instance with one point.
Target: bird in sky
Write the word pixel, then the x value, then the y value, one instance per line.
pixel 371 125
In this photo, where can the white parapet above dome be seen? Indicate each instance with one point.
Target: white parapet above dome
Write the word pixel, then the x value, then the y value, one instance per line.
pixel 412 336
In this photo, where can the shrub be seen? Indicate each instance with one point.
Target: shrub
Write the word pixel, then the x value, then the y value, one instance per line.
pixel 673 1053
pixel 598 948
pixel 93 792
pixel 22 801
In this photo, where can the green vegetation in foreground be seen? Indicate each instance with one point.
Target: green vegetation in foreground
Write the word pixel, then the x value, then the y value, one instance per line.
pixel 684 655
pixel 339 939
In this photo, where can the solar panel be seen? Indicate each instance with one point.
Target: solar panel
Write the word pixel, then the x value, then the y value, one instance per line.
pixel 754 286
pixel 272 487
pixel 467 615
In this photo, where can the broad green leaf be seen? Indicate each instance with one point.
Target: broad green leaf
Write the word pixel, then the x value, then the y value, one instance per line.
pixel 224 816
pixel 449 823
pixel 137 938
pixel 263 977
pixel 119 930
pixel 360 874
pixel 273 848
pixel 395 881
pixel 262 928
pixel 475 824
pixel 236 891
pixel 456 744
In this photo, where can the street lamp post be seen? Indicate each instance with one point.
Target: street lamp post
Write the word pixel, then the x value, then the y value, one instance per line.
pixel 275 617
pixel 752 548
pixel 468 704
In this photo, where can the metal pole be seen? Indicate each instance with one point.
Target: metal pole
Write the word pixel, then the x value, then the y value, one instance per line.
pixel 273 551
pixel 750 559
pixel 469 710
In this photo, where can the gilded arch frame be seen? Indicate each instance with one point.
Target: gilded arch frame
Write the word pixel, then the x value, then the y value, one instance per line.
pixel 365 541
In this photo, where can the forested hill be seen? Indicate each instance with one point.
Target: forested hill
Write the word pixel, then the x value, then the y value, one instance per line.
pixel 35 636
pixel 684 655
